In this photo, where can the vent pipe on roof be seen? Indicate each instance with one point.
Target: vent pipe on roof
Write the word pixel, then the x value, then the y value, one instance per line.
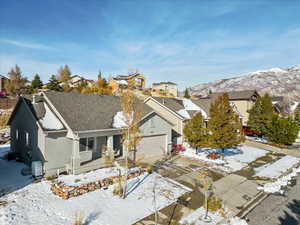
pixel 33 99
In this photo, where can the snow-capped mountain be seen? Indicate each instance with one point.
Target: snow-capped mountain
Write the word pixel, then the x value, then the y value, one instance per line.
pixel 275 81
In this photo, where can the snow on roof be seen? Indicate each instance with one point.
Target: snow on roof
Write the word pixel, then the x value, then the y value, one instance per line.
pixel 184 113
pixel 119 120
pixel 50 121
pixel 189 105
pixel 294 106
pixel 122 82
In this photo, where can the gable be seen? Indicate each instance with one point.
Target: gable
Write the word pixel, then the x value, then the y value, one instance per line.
pixel 154 124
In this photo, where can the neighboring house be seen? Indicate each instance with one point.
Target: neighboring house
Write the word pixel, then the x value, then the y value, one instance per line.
pixel 3 81
pixel 178 112
pixel 241 101
pixel 137 80
pixel 168 89
pixel 67 131
pixel 76 80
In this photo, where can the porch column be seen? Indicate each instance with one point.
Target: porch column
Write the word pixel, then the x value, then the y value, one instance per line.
pixel 75 156
pixel 110 143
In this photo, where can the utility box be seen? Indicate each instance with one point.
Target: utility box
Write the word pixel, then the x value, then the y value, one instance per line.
pixel 37 168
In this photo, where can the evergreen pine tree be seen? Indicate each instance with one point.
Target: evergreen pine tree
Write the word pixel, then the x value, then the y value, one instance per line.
pixel 54 84
pixel 261 114
pixel 283 130
pixel 297 115
pixel 225 127
pixel 36 83
pixel 195 132
pixel 186 93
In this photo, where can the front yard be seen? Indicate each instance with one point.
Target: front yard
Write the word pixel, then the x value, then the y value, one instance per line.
pixel 34 203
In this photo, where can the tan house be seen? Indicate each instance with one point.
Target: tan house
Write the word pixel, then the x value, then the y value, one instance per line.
pixel 76 80
pixel 137 80
pixel 3 82
pixel 241 101
pixel 166 89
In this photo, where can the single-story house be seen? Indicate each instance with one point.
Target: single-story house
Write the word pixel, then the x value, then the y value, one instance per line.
pixel 67 131
pixel 178 111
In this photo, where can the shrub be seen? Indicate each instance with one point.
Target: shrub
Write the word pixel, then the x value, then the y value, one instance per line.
pixel 214 204
pixel 4 117
pixel 79 218
pixel 283 130
pixel 118 190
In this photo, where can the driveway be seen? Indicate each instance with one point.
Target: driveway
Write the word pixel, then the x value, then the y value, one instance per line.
pixel 278 210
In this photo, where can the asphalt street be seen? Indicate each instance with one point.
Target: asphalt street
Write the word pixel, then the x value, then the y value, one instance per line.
pixel 278 210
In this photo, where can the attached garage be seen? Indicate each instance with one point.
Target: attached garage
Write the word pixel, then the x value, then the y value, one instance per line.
pixel 152 146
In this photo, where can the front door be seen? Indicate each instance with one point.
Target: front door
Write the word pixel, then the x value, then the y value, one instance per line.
pixel 100 146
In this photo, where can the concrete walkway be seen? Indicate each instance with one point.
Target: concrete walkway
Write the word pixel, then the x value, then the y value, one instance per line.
pixel 236 191
pixel 292 152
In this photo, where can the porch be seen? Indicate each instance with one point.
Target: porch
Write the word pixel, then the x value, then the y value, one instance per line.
pixel 90 151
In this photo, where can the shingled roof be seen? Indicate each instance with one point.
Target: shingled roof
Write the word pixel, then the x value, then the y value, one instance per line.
pixel 83 112
pixel 176 104
pixel 235 95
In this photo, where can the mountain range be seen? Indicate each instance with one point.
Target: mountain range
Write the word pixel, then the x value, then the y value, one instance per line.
pixel 275 81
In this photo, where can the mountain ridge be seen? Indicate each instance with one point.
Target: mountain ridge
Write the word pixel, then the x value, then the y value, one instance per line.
pixel 275 81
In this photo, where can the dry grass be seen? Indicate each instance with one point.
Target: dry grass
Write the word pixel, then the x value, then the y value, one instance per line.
pixel 4 117
pixel 79 216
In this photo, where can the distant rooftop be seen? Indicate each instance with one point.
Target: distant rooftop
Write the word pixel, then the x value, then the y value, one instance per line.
pixel 167 82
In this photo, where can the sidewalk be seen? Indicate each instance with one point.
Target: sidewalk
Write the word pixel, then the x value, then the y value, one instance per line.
pixel 292 152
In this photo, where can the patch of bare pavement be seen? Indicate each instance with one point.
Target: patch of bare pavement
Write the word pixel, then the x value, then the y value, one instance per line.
pixel 278 210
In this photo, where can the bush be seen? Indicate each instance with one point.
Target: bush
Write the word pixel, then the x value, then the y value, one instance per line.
pixel 214 204
pixel 118 190
pixel 283 130
pixel 4 117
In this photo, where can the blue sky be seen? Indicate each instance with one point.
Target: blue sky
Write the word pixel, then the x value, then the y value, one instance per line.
pixel 188 42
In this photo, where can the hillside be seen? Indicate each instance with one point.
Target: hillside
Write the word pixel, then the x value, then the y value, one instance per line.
pixel 275 81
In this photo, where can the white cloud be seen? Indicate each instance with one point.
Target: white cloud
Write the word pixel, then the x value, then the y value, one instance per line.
pixel 26 44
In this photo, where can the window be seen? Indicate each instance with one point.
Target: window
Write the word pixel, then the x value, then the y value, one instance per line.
pixel 17 134
pixel 86 144
pixel 82 144
pixel 91 143
pixel 27 138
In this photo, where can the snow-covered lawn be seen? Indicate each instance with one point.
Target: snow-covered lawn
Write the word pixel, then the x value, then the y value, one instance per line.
pixel 276 186
pixel 10 173
pixel 96 175
pixel 274 170
pixel 234 158
pixel 34 203
pixel 195 219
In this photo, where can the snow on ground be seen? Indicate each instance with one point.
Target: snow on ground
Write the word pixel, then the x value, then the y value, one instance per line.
pixel 234 158
pixel 10 173
pixel 195 219
pixel 34 203
pixel 50 121
pixel 276 186
pixel 277 168
pixel 96 175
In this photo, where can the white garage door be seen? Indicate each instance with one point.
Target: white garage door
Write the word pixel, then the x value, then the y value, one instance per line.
pixel 152 146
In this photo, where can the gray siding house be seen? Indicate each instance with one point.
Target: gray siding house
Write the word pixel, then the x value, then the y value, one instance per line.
pixel 67 131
